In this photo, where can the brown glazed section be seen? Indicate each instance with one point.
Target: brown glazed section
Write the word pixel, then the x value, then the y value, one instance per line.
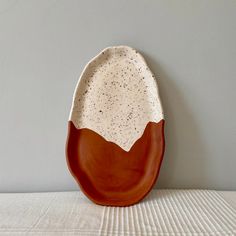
pixel 106 173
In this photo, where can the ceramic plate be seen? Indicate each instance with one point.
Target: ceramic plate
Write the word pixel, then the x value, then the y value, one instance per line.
pixel 115 140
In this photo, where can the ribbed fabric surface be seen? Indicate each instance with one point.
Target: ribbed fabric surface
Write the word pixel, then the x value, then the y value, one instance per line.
pixel 173 212
pixel 163 212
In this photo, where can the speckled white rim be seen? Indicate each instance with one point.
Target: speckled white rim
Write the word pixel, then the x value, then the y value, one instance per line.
pixel 116 96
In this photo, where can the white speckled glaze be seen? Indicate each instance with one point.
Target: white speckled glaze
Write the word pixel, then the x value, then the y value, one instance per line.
pixel 116 96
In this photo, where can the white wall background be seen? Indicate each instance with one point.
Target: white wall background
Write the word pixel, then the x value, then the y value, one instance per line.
pixel 190 45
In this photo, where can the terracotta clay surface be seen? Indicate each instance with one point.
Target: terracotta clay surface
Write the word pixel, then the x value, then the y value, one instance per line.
pixel 115 140
pixel 107 174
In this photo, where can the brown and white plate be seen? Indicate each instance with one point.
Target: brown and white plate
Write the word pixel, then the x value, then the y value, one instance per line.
pixel 115 139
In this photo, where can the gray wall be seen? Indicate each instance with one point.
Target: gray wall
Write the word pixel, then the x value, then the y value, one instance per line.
pixel 190 45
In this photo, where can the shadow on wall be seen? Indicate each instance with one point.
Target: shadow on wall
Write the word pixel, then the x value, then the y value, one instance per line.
pixel 184 164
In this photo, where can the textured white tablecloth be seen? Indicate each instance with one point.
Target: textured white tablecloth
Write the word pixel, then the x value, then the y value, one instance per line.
pixel 163 212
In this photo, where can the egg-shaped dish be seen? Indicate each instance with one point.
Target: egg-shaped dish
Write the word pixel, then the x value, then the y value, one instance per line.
pixel 115 141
